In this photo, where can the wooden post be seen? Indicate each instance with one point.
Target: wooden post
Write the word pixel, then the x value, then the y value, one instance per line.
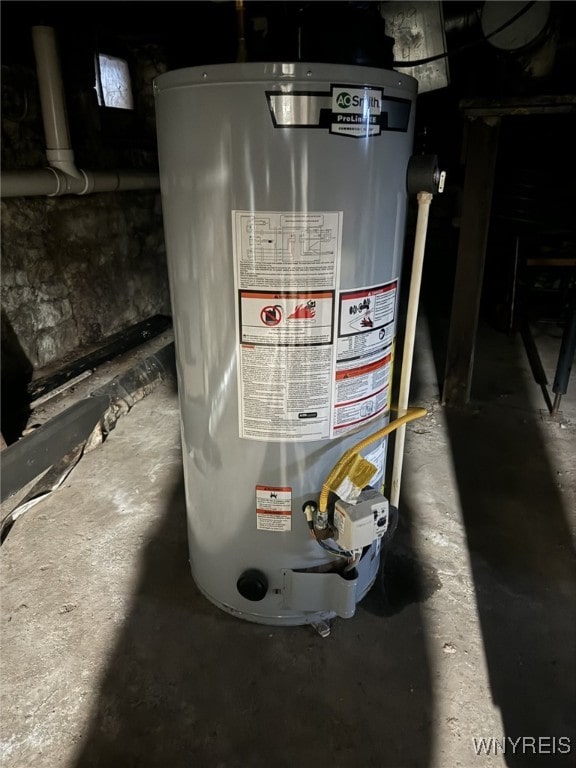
pixel 480 164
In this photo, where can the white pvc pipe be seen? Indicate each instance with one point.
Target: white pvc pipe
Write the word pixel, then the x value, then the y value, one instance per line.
pixel 59 151
pixel 54 183
pixel 62 177
pixel 424 200
pixel 44 181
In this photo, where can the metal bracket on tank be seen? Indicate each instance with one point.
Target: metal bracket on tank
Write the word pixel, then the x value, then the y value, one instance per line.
pixel 305 591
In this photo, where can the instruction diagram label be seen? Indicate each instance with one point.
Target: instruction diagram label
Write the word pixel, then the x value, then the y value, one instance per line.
pixel 287 251
pixel 286 274
pixel 273 508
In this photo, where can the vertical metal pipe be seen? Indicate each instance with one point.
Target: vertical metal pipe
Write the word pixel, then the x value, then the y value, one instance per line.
pixel 240 13
pixel 565 360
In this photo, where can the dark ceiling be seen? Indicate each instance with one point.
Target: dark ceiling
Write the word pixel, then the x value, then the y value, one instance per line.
pixel 194 33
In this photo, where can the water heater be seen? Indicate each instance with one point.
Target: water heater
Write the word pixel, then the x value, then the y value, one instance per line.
pixel 284 200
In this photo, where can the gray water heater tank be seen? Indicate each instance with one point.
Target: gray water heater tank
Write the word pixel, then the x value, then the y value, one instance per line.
pixel 284 200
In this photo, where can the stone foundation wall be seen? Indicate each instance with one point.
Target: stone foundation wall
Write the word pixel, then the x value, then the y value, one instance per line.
pixel 76 270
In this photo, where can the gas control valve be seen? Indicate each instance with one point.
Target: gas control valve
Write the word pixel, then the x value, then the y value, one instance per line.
pixel 358 525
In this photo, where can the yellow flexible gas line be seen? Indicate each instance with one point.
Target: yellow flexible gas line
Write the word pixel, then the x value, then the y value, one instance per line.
pixel 411 415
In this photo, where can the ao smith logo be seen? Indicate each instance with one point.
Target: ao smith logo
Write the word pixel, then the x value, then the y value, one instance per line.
pixel 344 100
pixel 359 111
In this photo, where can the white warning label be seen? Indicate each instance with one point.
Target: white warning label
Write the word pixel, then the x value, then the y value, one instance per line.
pixel 286 392
pixel 273 508
pixel 367 310
pixel 377 456
pixel 286 274
pixel 366 327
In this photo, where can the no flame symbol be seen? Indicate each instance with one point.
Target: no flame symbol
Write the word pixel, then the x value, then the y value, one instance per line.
pixel 271 315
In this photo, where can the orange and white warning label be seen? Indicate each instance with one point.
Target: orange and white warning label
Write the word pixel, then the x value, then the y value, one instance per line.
pixel 366 327
pixel 368 309
pixel 361 394
pixel 293 318
pixel 273 508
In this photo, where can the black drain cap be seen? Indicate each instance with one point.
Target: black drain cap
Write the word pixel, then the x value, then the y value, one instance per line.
pixel 253 585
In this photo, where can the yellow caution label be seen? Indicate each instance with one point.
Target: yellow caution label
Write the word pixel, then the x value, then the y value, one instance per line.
pixel 356 470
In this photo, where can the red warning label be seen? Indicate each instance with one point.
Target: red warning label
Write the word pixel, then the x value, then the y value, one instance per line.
pixel 273 508
pixel 364 356
pixel 271 315
pixel 290 318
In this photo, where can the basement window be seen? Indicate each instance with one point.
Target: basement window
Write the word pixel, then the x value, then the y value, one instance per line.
pixel 113 85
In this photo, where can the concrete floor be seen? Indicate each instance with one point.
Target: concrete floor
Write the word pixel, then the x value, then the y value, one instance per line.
pixel 112 658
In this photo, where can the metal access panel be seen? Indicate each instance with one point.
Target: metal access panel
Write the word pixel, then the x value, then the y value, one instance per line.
pixel 418 32
pixel 283 191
